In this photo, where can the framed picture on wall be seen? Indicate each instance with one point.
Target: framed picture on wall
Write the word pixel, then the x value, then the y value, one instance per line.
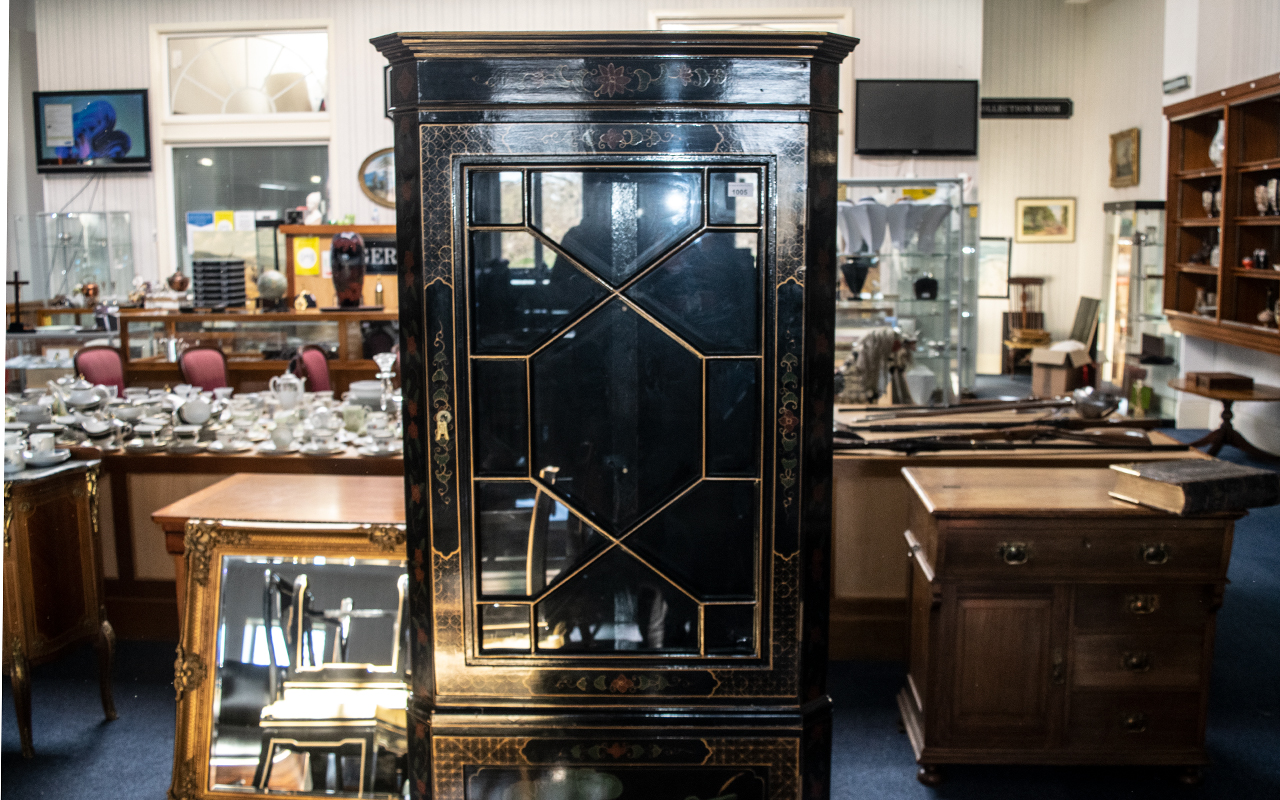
pixel 1124 158
pixel 994 257
pixel 1045 219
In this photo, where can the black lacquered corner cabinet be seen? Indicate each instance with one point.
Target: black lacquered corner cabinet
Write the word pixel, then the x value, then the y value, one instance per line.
pixel 617 269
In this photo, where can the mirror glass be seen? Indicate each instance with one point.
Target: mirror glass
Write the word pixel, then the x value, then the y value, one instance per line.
pixel 311 677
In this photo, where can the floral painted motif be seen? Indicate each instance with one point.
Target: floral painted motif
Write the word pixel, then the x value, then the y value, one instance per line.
pixel 614 139
pixel 788 405
pixel 608 81
pixel 442 436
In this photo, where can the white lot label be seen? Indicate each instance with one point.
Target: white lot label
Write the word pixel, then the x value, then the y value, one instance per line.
pixel 741 189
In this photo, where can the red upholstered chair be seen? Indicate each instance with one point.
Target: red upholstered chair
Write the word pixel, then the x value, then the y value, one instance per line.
pixel 312 363
pixel 203 367
pixel 102 365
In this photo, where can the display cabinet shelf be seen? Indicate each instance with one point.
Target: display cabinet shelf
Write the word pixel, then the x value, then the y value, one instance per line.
pixel 1245 119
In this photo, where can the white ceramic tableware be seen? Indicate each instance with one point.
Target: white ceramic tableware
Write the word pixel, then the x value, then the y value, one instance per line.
pixel 12 437
pixel 41 443
pixel 96 428
pixel 196 411
pixel 353 417
pixel 136 392
pixel 225 435
pixel 183 389
pixel 223 392
pixel 282 436
pixel 287 389
pixel 13 460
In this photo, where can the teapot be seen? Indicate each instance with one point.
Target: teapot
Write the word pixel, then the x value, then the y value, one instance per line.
pixel 80 395
pixel 287 389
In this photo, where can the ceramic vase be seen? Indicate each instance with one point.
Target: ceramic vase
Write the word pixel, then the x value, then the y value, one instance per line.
pixel 1216 146
pixel 347 260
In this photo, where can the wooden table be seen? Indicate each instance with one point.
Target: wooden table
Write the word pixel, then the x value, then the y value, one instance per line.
pixel 1226 434
pixel 139 572
pixel 1053 624
pixel 299 499
pixel 52 579
pixel 870 504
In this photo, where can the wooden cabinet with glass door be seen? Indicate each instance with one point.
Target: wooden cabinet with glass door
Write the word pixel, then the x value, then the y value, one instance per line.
pixel 620 568
pixel 1221 280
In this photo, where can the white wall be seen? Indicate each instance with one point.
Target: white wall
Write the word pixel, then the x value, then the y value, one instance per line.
pixel 1229 42
pixel 103 45
pixel 1107 57
pixel 24 190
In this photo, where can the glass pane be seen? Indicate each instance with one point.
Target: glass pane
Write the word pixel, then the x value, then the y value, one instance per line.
pixel 615 223
pixel 615 415
pixel 709 292
pixel 614 782
pixel 735 198
pixel 501 431
pixel 496 198
pixel 618 604
pixel 503 627
pixel 515 525
pixel 261 181
pixel 705 541
pixel 304 644
pixel 730 630
pixel 252 73
pixel 517 300
pixel 503 513
pixel 733 423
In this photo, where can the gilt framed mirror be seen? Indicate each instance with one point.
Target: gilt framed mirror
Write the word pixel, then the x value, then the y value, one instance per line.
pixel 291 674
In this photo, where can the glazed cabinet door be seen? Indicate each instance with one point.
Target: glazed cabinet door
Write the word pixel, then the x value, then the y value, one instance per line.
pixel 1005 682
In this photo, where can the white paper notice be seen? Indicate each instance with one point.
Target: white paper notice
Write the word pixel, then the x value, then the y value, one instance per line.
pixel 59 130
pixel 244 221
pixel 326 266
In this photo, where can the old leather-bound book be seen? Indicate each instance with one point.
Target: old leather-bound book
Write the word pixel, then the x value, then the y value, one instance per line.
pixel 1196 486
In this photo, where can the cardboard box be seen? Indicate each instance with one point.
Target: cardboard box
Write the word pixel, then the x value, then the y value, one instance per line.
pixel 1057 372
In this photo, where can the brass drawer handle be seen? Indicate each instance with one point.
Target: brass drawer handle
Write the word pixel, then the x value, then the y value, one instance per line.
pixel 1013 553
pixel 1143 603
pixel 1135 662
pixel 1154 553
pixel 1135 722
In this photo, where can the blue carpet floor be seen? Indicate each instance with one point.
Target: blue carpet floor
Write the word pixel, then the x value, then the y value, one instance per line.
pixel 80 756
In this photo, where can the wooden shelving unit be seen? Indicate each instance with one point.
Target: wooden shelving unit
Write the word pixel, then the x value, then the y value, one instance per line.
pixel 1251 116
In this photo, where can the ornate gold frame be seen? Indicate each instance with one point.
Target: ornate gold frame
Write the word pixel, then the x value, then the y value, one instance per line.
pixel 206 542
pixel 1131 138
pixel 364 165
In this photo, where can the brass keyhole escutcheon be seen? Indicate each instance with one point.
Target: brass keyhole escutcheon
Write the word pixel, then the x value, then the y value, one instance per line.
pixel 1135 722
pixel 1143 603
pixel 1013 553
pixel 443 418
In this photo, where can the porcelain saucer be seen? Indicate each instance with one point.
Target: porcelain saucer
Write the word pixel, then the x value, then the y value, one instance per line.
pixel 268 448
pixel 310 449
pixel 47 459
pixel 238 446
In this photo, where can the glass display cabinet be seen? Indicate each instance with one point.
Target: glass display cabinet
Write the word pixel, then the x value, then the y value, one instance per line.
pixel 1136 341
pixel 908 261
pixel 70 249
pixel 617 258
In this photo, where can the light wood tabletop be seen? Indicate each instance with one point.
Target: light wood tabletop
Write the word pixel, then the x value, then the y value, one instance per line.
pixel 248 497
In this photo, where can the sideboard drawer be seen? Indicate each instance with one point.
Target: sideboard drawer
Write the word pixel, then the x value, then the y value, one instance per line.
pixel 1036 553
pixel 1136 608
pixel 1142 661
pixel 1134 720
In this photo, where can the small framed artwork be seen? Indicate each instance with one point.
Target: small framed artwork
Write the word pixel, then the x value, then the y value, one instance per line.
pixel 378 177
pixel 52 352
pixel 1124 158
pixel 993 266
pixel 1046 219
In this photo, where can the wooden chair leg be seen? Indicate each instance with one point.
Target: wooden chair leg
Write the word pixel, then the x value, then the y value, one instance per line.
pixel 20 677
pixel 106 647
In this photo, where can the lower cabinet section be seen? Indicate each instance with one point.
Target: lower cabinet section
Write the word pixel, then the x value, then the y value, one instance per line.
pixel 582 756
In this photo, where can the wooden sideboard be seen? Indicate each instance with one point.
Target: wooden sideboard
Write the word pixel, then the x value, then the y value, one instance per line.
pixel 1053 624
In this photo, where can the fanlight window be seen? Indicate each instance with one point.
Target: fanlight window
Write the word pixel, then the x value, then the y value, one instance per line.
pixel 248 73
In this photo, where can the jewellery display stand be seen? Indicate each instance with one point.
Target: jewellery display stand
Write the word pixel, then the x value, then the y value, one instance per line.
pixel 617 282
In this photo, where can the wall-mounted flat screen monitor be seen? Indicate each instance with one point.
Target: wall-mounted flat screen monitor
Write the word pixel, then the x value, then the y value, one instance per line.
pixel 92 131
pixel 916 118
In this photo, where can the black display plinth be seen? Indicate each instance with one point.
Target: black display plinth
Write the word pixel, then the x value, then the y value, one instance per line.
pixel 617 266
